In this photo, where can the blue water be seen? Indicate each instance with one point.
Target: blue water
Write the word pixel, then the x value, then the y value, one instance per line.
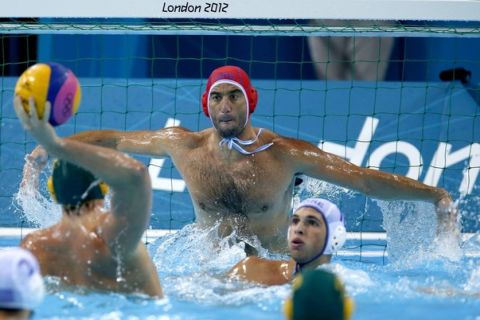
pixel 408 275
pixel 192 264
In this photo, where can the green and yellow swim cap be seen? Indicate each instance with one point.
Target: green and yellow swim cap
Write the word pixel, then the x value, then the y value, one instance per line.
pixel 318 295
pixel 71 185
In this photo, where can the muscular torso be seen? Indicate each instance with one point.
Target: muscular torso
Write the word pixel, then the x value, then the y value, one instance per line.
pixel 78 255
pixel 251 193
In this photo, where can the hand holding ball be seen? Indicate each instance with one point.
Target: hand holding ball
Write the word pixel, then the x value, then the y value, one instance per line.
pixel 51 82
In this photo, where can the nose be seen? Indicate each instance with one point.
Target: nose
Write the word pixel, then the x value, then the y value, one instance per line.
pixel 299 228
pixel 225 105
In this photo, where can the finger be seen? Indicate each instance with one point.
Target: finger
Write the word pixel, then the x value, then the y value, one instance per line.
pixel 18 106
pixel 46 112
pixel 20 111
pixel 32 110
pixel 17 101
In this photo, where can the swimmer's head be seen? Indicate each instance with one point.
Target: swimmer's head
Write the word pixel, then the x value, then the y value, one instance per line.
pixel 72 186
pixel 318 294
pixel 235 76
pixel 21 284
pixel 335 232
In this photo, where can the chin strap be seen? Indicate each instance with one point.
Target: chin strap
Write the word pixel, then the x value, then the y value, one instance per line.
pixel 236 143
pixel 299 266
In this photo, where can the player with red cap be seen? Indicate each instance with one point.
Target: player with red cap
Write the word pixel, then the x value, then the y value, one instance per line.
pixel 237 80
pixel 235 76
pixel 242 178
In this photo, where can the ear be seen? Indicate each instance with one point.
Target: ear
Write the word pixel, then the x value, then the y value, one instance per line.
pixel 51 188
pixel 205 103
pixel 103 188
pixel 338 237
pixel 253 100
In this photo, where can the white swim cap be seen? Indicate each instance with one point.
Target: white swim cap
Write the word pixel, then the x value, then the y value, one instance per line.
pixel 336 232
pixel 21 284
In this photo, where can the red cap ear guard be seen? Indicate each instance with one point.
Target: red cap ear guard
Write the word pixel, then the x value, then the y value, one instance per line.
pixel 205 103
pixel 235 74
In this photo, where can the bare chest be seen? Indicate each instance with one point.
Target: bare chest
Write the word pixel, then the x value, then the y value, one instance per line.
pixel 249 184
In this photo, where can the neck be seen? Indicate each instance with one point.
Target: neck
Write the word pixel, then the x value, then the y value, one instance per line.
pixel 247 133
pixel 84 210
pixel 323 259
pixel 246 147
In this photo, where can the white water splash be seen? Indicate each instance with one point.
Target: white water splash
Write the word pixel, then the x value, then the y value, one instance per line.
pixel 36 208
pixel 193 264
pixel 195 249
pixel 473 282
pixel 411 234
pixel 356 281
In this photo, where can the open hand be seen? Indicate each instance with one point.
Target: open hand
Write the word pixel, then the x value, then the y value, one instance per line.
pixel 447 215
pixel 40 129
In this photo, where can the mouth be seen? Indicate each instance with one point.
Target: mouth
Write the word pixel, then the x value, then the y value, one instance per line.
pixel 225 119
pixel 296 244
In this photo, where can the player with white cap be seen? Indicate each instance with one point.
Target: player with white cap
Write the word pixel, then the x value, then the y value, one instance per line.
pixel 316 232
pixel 21 284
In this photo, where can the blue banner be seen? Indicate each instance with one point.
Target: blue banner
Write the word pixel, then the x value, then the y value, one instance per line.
pixel 426 131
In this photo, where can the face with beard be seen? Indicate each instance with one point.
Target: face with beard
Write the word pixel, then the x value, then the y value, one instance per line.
pixel 228 109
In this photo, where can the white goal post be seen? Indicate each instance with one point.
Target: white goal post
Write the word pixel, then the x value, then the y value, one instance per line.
pixel 435 10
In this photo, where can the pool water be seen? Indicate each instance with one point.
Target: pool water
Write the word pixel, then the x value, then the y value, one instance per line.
pixel 418 277
pixel 192 264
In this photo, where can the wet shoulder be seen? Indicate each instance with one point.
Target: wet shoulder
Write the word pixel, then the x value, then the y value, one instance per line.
pixel 41 243
pixel 288 145
pixel 178 137
pixel 50 235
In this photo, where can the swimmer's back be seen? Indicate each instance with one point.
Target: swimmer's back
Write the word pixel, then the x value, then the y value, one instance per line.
pixel 80 256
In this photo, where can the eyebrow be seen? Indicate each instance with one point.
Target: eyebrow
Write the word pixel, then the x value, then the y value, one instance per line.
pixel 310 216
pixel 229 92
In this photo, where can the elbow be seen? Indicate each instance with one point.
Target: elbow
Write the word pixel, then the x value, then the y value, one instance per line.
pixel 364 187
pixel 139 174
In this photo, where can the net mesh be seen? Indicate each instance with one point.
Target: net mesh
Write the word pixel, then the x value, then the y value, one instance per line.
pixel 408 105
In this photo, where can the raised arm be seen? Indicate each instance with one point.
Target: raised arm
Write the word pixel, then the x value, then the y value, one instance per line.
pixel 127 178
pixel 153 143
pixel 310 160
pixel 34 163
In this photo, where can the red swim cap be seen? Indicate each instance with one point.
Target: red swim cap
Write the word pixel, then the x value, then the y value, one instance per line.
pixel 236 75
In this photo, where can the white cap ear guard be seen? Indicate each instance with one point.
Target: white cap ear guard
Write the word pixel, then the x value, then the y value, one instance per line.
pixel 337 235
pixel 336 232
pixel 21 284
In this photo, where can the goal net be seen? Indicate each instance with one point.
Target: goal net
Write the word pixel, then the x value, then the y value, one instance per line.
pixel 390 85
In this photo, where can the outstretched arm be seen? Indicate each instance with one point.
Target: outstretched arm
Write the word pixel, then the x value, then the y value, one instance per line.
pixel 128 178
pixel 154 143
pixel 316 163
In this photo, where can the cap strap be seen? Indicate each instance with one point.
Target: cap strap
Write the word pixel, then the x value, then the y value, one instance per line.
pixel 236 143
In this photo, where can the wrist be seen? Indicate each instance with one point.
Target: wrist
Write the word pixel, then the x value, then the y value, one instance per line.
pixel 441 195
pixel 53 144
